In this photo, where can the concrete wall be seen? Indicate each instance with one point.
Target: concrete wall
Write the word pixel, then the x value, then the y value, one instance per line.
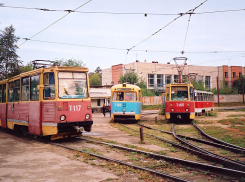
pixel 155 100
pixel 228 98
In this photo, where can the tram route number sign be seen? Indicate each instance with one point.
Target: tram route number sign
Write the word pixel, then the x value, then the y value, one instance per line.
pixel 75 107
pixel 180 104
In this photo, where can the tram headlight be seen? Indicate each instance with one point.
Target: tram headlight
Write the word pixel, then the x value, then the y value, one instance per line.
pixel 123 110
pixel 172 109
pixel 186 109
pixel 87 116
pixel 62 117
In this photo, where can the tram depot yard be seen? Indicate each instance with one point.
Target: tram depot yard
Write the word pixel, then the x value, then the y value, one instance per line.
pixel 24 159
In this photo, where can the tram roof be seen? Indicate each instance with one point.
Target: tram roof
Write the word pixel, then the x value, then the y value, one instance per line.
pixel 201 91
pixel 124 87
pixel 179 84
pixel 49 69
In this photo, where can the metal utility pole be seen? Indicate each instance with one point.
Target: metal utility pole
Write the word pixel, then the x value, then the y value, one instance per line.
pixel 242 90
pixel 218 89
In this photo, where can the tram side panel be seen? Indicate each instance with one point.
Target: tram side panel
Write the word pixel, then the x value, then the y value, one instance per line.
pixel 126 110
pixel 203 106
pixel 179 110
pixel 3 115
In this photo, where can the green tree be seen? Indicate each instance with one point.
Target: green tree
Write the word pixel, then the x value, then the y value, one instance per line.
pixel 71 62
pixel 9 62
pixel 237 84
pixel 129 77
pixel 28 67
pixel 94 79
pixel 199 85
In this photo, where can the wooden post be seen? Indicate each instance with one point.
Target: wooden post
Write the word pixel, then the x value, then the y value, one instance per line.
pixel 141 134
pixel 156 119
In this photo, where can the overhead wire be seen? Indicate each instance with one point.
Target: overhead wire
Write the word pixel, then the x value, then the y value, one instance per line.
pixel 188 12
pixel 119 13
pixel 124 49
pixel 191 12
pixel 26 39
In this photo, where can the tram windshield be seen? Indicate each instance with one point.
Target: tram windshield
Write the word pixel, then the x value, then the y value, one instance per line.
pixel 72 85
pixel 179 93
pixel 124 96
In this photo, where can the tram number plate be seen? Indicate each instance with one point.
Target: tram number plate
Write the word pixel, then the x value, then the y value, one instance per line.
pixel 180 104
pixel 75 107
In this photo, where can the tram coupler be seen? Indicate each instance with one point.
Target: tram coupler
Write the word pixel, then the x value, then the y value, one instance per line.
pixel 79 129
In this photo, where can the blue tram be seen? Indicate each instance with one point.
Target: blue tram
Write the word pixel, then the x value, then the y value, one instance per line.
pixel 126 101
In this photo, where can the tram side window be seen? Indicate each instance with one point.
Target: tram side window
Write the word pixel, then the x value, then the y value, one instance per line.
pixel 4 93
pixel 16 90
pixel 11 92
pixel 25 89
pixel 49 91
pixel 34 90
pixel 1 93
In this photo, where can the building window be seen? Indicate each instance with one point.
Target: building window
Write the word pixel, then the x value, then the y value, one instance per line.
pixel 240 74
pixel 98 102
pixel 207 82
pixel 234 74
pixel 150 80
pixel 226 74
pixel 176 78
pixel 160 80
pixel 168 79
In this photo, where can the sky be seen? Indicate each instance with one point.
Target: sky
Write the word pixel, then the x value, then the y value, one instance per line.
pixel 102 33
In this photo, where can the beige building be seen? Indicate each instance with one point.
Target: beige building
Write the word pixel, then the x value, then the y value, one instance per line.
pixel 156 75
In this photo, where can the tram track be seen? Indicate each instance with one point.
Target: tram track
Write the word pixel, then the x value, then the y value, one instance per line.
pixel 194 165
pixel 158 173
pixel 206 156
pixel 190 164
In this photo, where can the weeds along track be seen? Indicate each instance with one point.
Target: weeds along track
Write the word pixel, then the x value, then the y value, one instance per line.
pixel 220 145
pixel 186 163
pixel 228 145
pixel 230 165
pixel 215 157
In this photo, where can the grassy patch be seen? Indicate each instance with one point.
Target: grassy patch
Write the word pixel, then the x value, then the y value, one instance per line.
pixel 226 135
pixel 149 107
pixel 236 115
pixel 233 121
pixel 228 104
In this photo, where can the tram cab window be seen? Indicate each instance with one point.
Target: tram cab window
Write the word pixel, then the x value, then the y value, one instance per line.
pixel 73 85
pixel 49 91
pixel 25 89
pixel 179 93
pixel 124 96
pixel 34 91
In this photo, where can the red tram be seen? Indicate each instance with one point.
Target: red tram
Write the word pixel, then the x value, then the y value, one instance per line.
pixel 52 101
pixel 182 101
